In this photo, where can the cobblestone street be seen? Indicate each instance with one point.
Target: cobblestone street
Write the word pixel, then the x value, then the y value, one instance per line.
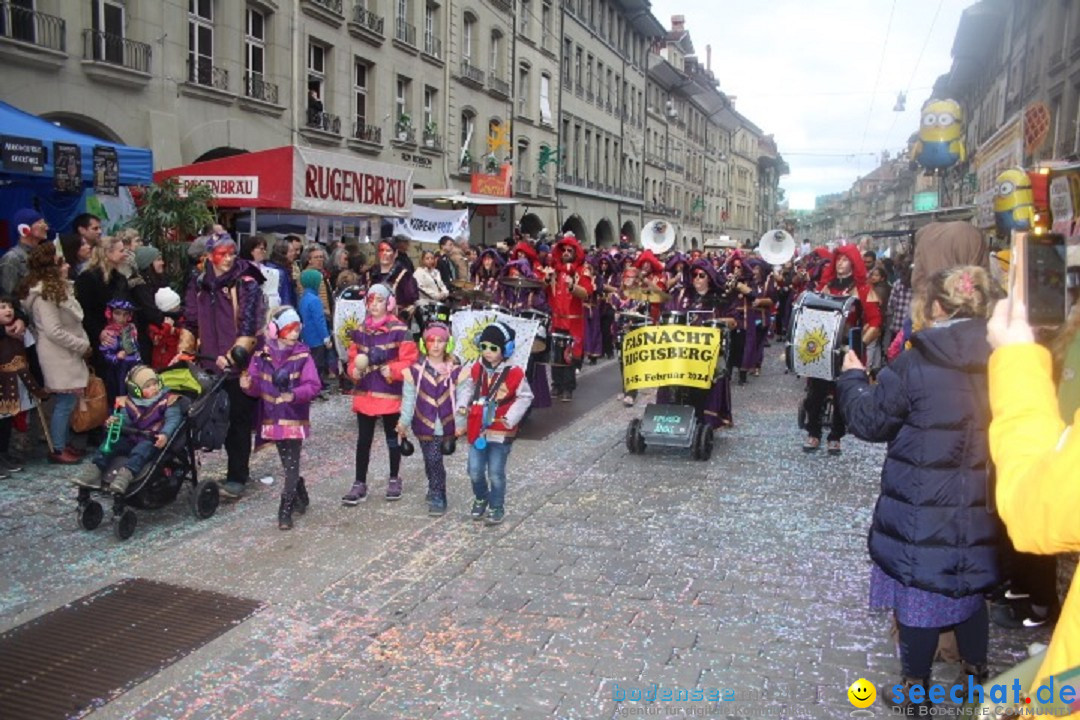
pixel 613 572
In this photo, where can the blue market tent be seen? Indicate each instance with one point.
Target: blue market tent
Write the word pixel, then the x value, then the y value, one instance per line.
pixel 136 164
pixel 24 187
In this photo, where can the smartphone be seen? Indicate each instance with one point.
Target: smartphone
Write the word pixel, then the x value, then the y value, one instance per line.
pixel 1046 279
pixel 855 343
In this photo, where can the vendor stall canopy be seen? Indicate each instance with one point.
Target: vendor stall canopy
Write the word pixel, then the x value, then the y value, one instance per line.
pixel 136 165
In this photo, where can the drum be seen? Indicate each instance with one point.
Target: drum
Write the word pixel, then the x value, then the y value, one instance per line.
pixel 624 323
pixel 725 345
pixel 816 340
pixel 540 342
pixel 674 317
pixel 562 348
pixel 432 312
pixel 495 307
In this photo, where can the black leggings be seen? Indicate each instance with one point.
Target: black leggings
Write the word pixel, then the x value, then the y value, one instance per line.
pixel 289 452
pixel 817 392
pixel 366 433
pixel 918 644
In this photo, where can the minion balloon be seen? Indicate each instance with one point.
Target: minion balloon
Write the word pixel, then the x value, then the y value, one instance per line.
pixel 1013 201
pixel 941 135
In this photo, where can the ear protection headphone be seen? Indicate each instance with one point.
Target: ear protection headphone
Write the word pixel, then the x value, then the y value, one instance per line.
pixel 449 339
pixel 274 325
pixel 134 389
pixel 508 346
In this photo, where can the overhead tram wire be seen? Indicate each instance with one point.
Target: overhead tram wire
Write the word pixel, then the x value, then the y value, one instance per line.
pixel 877 79
pixel 915 69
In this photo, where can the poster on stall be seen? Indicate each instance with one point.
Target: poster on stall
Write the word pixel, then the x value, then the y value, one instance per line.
pixel 106 171
pixel 428 225
pixel 312 228
pixel 324 229
pixel 67 168
pixel 336 231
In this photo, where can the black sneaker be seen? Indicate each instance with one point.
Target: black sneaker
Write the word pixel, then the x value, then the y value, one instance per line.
pixel 436 505
pixel 356 493
pixel 494 516
pixel 1020 614
pixel 479 507
pixel 9 464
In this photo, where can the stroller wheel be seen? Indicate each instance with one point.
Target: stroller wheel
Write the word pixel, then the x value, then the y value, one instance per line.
pixel 204 499
pixel 90 515
pixel 125 524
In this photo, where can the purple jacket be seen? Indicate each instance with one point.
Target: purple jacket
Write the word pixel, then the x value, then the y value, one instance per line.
pixel 210 302
pixel 277 419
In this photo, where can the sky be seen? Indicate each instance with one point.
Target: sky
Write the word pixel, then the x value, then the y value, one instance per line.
pixel 806 71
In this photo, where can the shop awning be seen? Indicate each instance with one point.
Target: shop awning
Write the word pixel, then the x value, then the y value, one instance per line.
pixel 303 180
pixel 457 196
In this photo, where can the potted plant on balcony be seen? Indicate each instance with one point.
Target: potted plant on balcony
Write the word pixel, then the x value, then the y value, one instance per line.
pixel 431 130
pixel 466 161
pixel 404 126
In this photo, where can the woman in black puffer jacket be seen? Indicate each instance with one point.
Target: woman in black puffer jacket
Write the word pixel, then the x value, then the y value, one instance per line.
pixel 933 540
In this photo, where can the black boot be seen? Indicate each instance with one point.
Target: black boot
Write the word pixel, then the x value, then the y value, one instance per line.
pixel 980 673
pixel 742 377
pixel 302 499
pixel 285 510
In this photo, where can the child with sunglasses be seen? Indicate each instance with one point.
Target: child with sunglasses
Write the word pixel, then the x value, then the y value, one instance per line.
pixel 494 397
pixel 428 404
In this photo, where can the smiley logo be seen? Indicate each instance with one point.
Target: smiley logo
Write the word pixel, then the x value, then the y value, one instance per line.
pixel 861 693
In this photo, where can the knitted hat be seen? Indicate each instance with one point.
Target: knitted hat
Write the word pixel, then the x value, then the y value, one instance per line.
pixel 497 333
pixel 140 375
pixel 166 299
pixel 284 317
pixel 380 290
pixel 437 330
pixel 120 304
pixel 220 240
pixel 311 279
pixel 145 256
pixel 27 217
pixel 197 248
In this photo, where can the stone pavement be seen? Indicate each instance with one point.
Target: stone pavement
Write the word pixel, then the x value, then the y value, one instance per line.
pixel 612 573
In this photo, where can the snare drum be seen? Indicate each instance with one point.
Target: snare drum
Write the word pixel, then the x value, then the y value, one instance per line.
pixel 562 348
pixel 725 345
pixel 815 346
pixel 540 342
pixel 674 317
pixel 495 308
pixel 624 323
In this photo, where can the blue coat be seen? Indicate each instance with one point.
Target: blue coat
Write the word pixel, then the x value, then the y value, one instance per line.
pixel 931 528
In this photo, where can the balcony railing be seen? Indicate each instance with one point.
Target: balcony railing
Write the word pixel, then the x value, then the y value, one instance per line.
pixel 472 73
pixel 499 85
pixel 332 5
pixel 523 186
pixel 405 135
pixel 31 26
pixel 405 32
pixel 116 50
pixel 589 95
pixel 367 133
pixel 257 88
pixel 367 19
pixel 327 122
pixel 202 71
pixel 433 140
pixel 433 46
pixel 579 90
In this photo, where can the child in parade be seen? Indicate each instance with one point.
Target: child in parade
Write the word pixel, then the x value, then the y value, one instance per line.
pixel 428 408
pixel 494 397
pixel 150 417
pixel 165 337
pixel 119 345
pixel 282 375
pixel 380 351
pixel 17 383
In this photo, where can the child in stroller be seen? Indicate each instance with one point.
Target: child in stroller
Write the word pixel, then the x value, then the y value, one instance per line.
pixel 150 416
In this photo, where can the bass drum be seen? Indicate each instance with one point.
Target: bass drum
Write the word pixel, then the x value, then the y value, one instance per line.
pixel 817 338
pixel 562 348
pixel 540 342
pixel 674 317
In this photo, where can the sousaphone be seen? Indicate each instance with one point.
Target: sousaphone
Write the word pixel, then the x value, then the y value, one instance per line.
pixel 658 236
pixel 776 247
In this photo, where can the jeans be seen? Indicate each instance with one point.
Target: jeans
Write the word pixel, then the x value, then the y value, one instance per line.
pixel 63 406
pixel 139 451
pixel 487 471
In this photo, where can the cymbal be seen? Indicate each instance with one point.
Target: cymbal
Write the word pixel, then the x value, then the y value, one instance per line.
pixel 471 295
pixel 521 283
pixel 647 295
pixel 463 284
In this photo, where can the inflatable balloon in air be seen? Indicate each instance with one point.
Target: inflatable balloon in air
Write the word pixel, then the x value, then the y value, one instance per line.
pixel 941 136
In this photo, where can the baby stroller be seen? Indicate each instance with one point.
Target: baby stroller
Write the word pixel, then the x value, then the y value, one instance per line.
pixel 204 404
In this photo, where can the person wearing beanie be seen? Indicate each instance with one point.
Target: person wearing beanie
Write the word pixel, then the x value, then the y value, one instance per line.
pixel 380 351
pixel 151 411
pixel 119 345
pixel 283 379
pixel 30 231
pixel 227 332
pixel 491 401
pixel 316 334
pixel 165 336
pixel 144 285
pixel 427 408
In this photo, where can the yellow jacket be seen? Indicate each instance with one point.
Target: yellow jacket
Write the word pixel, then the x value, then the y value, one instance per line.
pixel 1038 476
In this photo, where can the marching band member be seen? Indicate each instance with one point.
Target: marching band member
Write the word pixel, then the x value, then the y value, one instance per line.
pixel 651 278
pixel 607 274
pixel 763 286
pixel 846 275
pixel 485 271
pixel 621 303
pixel 515 300
pixel 567 288
pixel 594 336
pixel 738 297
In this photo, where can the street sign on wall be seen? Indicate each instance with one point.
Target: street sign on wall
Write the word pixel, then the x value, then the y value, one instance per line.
pixel 925 201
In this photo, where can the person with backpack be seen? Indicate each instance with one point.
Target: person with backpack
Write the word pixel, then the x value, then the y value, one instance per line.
pixel 225 305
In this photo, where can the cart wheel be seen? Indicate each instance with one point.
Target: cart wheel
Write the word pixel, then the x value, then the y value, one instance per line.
pixel 802 415
pixel 204 499
pixel 90 515
pixel 695 442
pixel 125 525
pixel 634 442
pixel 705 443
